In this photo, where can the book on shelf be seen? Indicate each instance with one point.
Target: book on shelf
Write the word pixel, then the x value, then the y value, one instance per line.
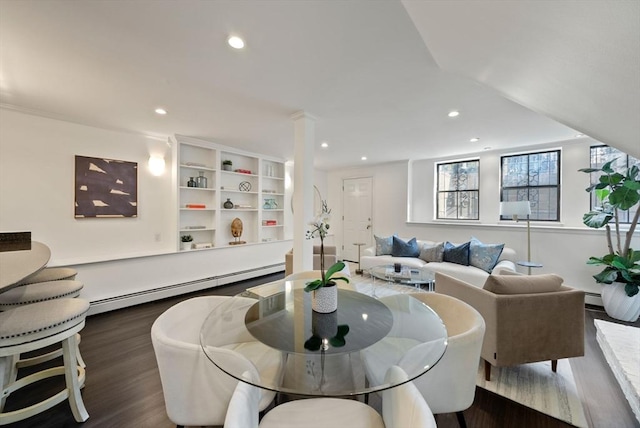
pixel 196 206
pixel 269 222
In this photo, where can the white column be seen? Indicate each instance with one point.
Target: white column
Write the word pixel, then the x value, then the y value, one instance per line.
pixel 304 138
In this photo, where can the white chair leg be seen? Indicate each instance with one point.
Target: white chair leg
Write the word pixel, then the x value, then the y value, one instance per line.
pixel 69 350
pixel 78 356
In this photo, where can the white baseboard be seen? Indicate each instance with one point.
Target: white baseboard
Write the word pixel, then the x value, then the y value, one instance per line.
pixel 123 301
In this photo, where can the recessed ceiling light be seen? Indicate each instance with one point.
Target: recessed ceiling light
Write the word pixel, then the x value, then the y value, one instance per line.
pixel 161 111
pixel 474 139
pixel 324 145
pixel 235 42
pixel 363 158
pixel 453 113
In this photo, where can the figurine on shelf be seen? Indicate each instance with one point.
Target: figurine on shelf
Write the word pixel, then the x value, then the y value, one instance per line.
pixel 236 232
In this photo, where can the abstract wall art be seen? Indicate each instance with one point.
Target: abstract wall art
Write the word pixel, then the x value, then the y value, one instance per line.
pixel 105 188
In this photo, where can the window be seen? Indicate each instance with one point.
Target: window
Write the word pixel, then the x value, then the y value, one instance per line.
pixel 458 194
pixel 533 177
pixel 603 154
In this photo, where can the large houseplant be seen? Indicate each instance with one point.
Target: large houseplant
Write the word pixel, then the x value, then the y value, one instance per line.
pixel 616 191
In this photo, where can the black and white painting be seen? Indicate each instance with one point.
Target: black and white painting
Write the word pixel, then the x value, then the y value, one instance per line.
pixel 106 188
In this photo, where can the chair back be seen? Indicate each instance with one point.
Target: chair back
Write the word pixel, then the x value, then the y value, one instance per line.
pixel 451 384
pixel 195 391
pixel 403 406
pixel 243 411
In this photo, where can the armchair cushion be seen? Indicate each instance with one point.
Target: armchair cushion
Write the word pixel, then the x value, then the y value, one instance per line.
pixel 401 248
pixel 523 284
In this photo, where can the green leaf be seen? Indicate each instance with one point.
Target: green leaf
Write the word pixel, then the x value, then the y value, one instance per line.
pixel 624 198
pixel 607 166
pixel 596 219
pixel 631 289
pixel 589 170
pixel 633 185
pixel 602 194
pixel 607 276
pixel 313 343
pixel 333 269
pixel 313 285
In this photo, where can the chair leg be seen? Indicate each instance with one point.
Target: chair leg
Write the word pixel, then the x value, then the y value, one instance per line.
pixel 487 371
pixel 69 349
pixel 554 365
pixel 461 421
pixel 8 375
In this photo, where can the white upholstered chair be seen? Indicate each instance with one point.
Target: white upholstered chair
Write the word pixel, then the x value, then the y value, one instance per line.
pixel 195 391
pixel 451 384
pixel 403 407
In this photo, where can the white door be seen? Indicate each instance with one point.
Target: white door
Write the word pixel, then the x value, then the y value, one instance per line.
pixel 357 221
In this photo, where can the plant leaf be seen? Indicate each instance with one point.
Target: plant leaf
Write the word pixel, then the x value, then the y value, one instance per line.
pixel 596 219
pixel 313 285
pixel 337 267
pixel 631 289
pixel 607 276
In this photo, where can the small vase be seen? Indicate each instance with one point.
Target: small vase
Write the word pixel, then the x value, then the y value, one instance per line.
pixel 324 326
pixel 325 299
pixel 228 204
pixel 618 305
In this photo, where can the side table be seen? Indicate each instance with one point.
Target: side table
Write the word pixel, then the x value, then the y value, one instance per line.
pixel 359 244
pixel 529 265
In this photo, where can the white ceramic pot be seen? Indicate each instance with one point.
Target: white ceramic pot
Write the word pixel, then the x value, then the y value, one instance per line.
pixel 325 299
pixel 186 246
pixel 618 305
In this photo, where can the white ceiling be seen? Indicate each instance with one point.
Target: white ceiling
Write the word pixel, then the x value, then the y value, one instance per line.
pixel 361 67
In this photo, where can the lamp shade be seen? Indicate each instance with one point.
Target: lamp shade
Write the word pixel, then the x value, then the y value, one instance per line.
pixel 515 208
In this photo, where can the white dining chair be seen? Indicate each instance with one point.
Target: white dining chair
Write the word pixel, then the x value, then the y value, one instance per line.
pixel 308 413
pixel 403 406
pixel 450 385
pixel 196 391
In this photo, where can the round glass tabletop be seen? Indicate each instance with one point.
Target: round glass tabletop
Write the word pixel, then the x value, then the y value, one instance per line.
pixel 403 274
pixel 343 353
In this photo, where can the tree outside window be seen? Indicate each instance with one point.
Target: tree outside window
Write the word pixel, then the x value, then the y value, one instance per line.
pixel 458 190
pixel 603 154
pixel 533 177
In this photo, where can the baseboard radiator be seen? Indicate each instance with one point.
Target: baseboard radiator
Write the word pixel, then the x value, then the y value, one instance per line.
pixel 132 299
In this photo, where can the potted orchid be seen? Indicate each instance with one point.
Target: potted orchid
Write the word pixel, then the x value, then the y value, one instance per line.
pixel 325 298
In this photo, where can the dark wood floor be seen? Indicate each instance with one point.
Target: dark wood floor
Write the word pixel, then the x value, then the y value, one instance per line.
pixel 123 386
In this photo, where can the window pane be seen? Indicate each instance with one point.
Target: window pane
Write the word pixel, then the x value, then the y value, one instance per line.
pixel 458 184
pixel 533 177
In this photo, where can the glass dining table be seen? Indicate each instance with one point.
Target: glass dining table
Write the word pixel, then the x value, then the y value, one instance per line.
pixel 344 353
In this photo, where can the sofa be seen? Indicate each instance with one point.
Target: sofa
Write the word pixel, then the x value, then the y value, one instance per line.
pixel 468 273
pixel 528 318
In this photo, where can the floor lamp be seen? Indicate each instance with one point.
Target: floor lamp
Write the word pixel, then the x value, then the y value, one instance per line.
pixel 516 209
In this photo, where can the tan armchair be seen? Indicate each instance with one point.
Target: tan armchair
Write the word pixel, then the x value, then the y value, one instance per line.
pixel 525 320
pixel 330 258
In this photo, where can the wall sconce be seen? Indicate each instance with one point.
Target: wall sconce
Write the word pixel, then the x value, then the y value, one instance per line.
pixel 156 165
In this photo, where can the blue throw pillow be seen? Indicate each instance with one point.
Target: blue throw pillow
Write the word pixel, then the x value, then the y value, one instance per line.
pixel 383 245
pixel 405 249
pixel 459 254
pixel 484 256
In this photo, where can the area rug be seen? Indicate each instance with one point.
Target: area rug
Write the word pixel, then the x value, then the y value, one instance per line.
pixel 620 345
pixel 534 385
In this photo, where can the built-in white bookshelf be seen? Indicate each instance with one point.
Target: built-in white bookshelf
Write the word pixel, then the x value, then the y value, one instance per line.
pixel 217 185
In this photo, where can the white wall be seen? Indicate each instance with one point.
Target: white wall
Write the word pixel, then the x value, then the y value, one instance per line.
pixel 562 247
pixel 114 257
